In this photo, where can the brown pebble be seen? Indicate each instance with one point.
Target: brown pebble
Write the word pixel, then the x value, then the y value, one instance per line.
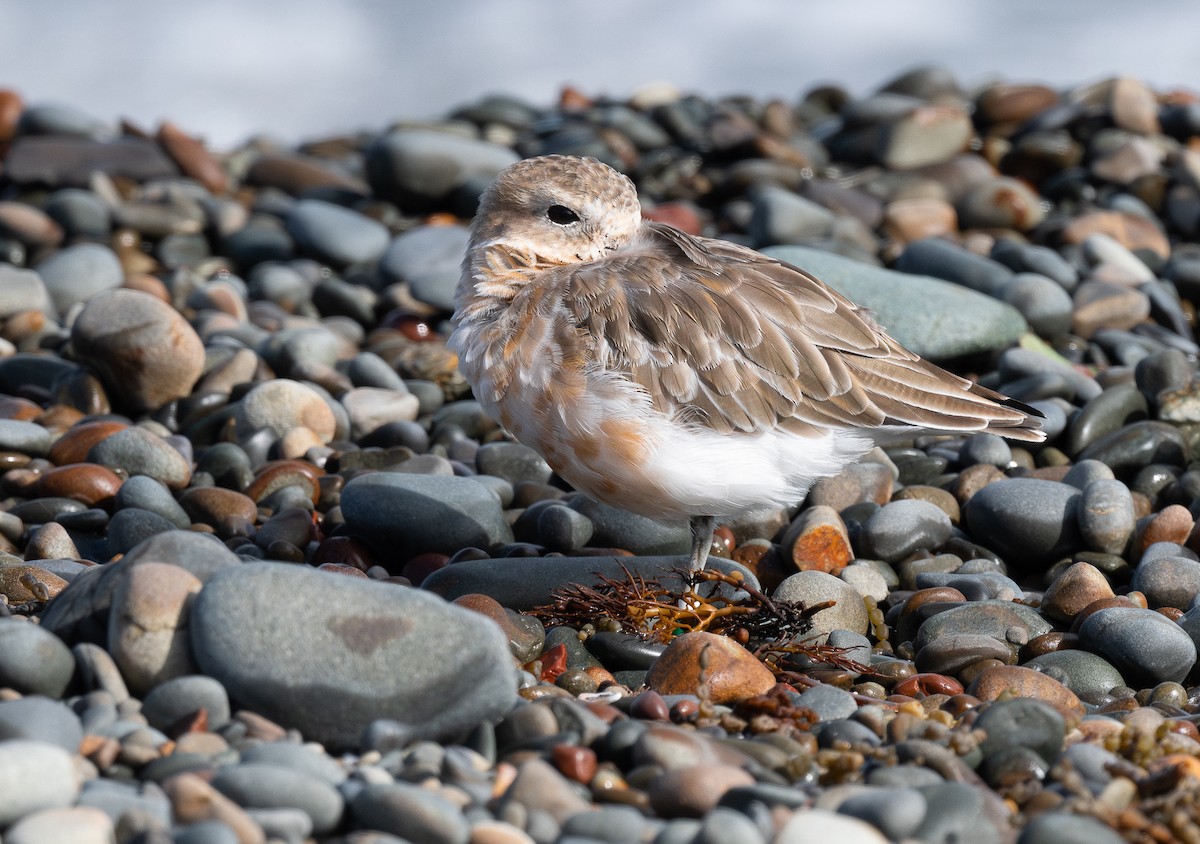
pixel 649 706
pixel 91 483
pixel 193 158
pixel 1130 231
pixel 936 496
pixel 682 215
pixel 1073 590
pixel 145 352
pixel 280 473
pixel 148 629
pixel 23 583
pixel 343 550
pixel 574 762
pixel 1055 640
pixel 693 791
pixel 1173 523
pixel 51 542
pixel 1025 682
pixel 818 541
pixel 922 685
pixel 1014 103
pixel 194 800
pixel 729 673
pixel 906 220
pixel 1102 304
pixel 23 410
pixel 911 616
pixel 230 512
pixel 972 479
pixel 421 566
pixel 74 445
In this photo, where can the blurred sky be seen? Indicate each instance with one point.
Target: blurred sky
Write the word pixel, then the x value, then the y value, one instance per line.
pixel 296 69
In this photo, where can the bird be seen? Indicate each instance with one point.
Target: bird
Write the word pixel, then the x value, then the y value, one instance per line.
pixel 677 376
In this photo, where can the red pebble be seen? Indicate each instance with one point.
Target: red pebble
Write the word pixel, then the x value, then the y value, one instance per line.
pixel 928 684
pixel 554 663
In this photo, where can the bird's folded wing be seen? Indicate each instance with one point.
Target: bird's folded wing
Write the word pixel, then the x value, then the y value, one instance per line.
pixel 728 339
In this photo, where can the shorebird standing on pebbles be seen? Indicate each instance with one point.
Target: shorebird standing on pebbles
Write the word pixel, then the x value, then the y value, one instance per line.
pixel 677 376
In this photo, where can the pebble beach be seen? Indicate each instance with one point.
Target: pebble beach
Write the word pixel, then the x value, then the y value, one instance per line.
pixel 268 573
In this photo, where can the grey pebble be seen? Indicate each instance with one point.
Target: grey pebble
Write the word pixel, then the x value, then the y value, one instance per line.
pixel 75 825
pixel 829 702
pixel 207 832
pixel 899 528
pixel 76 273
pixel 1067 828
pixel 943 259
pixel 259 786
pixel 297 757
pixel 37 718
pixel 1167 581
pixel 512 461
pixel 137 451
pixel 179 697
pixel 1146 647
pixel 371 651
pixel 1089 676
pixel 1022 722
pixel 955 811
pixel 24 437
pixel 80 212
pixel 130 527
pixel 146 493
pixel 1128 449
pixel 615 824
pixel 1046 306
pixel 33 661
pixel 617 528
pixel 428 258
pixel 896 812
pixel 34 775
pixel 813 587
pixel 419 168
pixel 413 813
pixel 423 513
pixel 115 798
pixel 336 234
pixel 23 290
pixel 1026 520
pixel 781 217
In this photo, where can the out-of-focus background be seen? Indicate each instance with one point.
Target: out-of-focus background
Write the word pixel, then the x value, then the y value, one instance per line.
pixel 296 69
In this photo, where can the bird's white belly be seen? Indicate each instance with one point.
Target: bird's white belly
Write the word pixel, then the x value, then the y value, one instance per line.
pixel 727 474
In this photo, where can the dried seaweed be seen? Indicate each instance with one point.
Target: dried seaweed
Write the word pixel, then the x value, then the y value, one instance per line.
pixel 771 629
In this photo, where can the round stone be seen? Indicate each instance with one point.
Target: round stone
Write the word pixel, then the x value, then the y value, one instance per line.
pixel 145 352
pixel 730 672
pixel 32 660
pixel 1026 520
pixel 371 650
pixel 814 587
pixel 1146 647
pixel 281 405
pixel 336 234
pixel 77 273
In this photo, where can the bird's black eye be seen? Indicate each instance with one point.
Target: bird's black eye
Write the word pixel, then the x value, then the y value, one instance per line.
pixel 561 215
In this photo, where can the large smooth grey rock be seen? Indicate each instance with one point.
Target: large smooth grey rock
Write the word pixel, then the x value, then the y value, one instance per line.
pixel 410 514
pixel 329 654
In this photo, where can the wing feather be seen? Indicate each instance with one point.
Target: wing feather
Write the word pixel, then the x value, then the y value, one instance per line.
pixel 723 337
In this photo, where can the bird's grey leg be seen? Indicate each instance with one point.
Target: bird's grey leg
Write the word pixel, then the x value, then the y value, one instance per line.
pixel 702 539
